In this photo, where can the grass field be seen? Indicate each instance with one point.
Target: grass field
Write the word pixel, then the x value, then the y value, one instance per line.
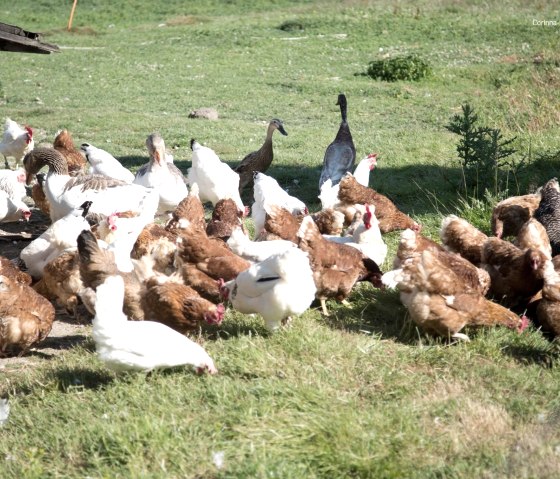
pixel 361 393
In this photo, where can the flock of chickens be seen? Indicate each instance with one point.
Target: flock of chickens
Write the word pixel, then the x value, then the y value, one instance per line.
pixel 137 252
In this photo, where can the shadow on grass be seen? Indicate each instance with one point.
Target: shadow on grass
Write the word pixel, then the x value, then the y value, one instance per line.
pixel 528 354
pixel 373 311
pixel 72 378
pixel 416 189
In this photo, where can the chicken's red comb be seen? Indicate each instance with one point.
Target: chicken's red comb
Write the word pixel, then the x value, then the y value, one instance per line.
pixel 372 155
pixel 523 324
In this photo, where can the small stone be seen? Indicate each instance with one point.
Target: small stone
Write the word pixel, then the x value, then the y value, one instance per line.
pixel 208 113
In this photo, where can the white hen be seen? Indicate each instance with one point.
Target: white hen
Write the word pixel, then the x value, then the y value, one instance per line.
pixel 12 209
pixel 16 142
pixel 215 179
pixel 366 237
pixel 162 175
pixel 103 163
pixel 61 236
pixel 329 193
pixel 139 345
pixel 256 251
pixel 276 288
pixel 12 182
pixel 267 192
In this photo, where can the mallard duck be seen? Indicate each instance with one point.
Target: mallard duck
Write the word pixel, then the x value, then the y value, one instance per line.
pixel 261 159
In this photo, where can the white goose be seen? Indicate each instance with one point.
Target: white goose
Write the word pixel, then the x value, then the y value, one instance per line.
pixel 65 193
pixel 215 179
pixel 139 345
pixel 162 175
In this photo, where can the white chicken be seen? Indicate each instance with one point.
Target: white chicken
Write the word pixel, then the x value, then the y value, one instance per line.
pixel 366 237
pixel 12 209
pixel 267 193
pixel 65 193
pixel 17 141
pixel 329 193
pixel 276 288
pixel 256 251
pixel 162 175
pixel 103 163
pixel 12 182
pixel 61 236
pixel 215 179
pixel 124 345
pixel 119 234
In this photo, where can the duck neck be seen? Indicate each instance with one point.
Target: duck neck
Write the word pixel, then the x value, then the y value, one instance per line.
pixel 56 163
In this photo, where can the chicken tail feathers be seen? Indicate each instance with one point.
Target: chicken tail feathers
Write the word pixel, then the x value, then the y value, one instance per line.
pixel 95 264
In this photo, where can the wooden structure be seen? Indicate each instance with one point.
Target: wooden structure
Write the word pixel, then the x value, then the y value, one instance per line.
pixel 16 39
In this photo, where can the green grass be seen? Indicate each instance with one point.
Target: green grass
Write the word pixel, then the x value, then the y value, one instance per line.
pixel 361 393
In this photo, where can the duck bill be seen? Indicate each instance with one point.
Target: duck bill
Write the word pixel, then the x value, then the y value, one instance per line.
pixel 281 130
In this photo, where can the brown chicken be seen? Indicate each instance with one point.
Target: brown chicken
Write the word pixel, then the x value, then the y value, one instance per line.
pixel 459 236
pixel 533 235
pixel 65 145
pixel 210 255
pixel 96 264
pixel 38 195
pixel 390 217
pixel 26 317
pixel 281 224
pixel 188 213
pixel 9 269
pixel 159 243
pixel 61 283
pixel 329 221
pixel 441 304
pixel 336 267
pixel 413 244
pixel 225 217
pixel 516 275
pixel 203 284
pixel 169 301
pixel 509 215
pixel 548 309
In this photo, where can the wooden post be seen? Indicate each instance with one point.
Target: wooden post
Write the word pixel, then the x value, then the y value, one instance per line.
pixel 71 15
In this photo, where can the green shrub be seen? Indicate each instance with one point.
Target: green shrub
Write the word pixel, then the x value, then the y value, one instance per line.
pixel 409 67
pixel 486 157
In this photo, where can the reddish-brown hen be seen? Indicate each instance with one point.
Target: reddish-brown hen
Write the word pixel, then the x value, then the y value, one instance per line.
pixel 336 267
pixel 26 317
pixel 96 264
pixel 516 275
pixel 62 283
pixel 210 255
pixel 390 217
pixel 225 217
pixel 188 213
pixel 7 268
pixel 281 224
pixel 459 236
pixel 329 221
pixel 509 215
pixel 65 145
pixel 413 244
pixel 548 309
pixel 441 304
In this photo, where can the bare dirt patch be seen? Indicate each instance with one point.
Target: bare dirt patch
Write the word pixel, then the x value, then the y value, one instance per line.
pixel 67 331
